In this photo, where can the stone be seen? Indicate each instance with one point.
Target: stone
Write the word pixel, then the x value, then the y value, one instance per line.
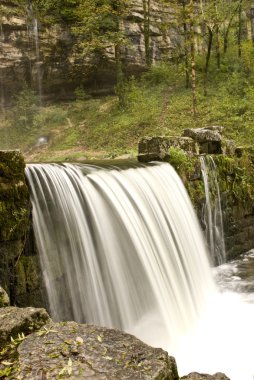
pixel 209 139
pixel 198 376
pixel 14 321
pixel 86 351
pixel 185 143
pixel 228 147
pixel 153 149
pixel 202 135
pixel 4 298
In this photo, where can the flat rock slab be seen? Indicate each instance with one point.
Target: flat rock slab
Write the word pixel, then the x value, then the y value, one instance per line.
pixel 78 351
pixel 14 321
pixel 199 376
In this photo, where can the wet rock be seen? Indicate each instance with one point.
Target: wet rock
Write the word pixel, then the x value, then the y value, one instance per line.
pixel 86 351
pixel 153 149
pixel 198 376
pixel 14 321
pixel 4 298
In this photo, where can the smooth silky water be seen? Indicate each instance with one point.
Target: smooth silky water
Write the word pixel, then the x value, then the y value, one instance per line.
pixel 123 248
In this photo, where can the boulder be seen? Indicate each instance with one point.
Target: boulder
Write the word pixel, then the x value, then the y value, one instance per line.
pixel 79 351
pixel 14 321
pixel 185 143
pixel 202 135
pixel 153 149
pixel 199 376
pixel 4 298
pixel 209 139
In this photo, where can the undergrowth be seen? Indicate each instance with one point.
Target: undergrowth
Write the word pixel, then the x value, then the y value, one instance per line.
pixel 155 104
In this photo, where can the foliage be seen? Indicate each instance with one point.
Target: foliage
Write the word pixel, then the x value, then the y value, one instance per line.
pixel 25 108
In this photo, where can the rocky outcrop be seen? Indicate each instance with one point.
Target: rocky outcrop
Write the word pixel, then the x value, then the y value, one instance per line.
pixel 33 347
pixel 87 351
pixel 198 376
pixel 44 55
pixel 235 175
pixel 19 266
pixel 14 321
pixel 4 298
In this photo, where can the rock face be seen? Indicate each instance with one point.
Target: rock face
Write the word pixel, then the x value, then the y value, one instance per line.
pixel 86 351
pixel 198 376
pixel 19 267
pixel 4 298
pixel 14 321
pixel 44 55
pixel 235 176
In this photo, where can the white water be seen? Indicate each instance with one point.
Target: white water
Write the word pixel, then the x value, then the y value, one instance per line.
pixel 34 42
pixel 212 211
pixel 124 249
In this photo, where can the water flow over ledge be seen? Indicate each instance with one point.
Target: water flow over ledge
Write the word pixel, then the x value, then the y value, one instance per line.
pixel 212 211
pixel 124 249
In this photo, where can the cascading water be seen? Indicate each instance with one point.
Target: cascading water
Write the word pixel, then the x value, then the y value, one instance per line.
pixel 33 38
pixel 212 211
pixel 124 249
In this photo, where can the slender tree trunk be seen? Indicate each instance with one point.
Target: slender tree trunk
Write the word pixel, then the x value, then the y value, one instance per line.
pixel 217 34
pixel 208 56
pixel 193 62
pixel 119 76
pixel 186 50
pixel 146 10
pixel 218 55
pixel 240 27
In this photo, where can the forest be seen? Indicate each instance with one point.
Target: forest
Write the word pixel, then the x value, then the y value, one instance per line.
pixel 134 69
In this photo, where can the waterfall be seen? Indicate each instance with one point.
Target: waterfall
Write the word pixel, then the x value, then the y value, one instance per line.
pixel 123 248
pixel 212 215
pixel 33 39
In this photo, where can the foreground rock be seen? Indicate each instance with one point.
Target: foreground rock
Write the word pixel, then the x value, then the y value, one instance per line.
pixel 89 352
pixel 198 376
pixel 4 298
pixel 14 321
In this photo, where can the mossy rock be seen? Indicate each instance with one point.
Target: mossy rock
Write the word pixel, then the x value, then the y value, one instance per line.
pixel 12 165
pixel 75 351
pixel 4 298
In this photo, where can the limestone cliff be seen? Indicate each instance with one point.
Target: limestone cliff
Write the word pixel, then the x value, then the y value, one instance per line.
pixel 44 57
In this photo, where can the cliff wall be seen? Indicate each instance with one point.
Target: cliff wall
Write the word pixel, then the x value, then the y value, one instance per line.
pixel 44 55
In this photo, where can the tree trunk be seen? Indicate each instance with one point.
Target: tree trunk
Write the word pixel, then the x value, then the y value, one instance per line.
pixel 240 26
pixel 217 31
pixel 193 62
pixel 208 56
pixel 186 50
pixel 119 76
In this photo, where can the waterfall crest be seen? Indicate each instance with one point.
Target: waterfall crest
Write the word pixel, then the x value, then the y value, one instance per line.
pixel 212 211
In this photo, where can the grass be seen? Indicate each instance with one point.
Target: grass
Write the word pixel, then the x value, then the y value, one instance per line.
pixel 157 104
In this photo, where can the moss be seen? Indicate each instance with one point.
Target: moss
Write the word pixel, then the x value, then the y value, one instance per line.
pixel 236 177
pixel 12 165
pixel 14 196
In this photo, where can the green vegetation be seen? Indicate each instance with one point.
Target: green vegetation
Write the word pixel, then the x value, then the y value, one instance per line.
pixel 211 85
pixel 158 103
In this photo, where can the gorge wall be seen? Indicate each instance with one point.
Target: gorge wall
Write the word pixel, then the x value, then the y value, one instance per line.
pixel 44 55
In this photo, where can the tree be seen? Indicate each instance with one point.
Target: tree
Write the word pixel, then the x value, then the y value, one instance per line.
pixel 100 29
